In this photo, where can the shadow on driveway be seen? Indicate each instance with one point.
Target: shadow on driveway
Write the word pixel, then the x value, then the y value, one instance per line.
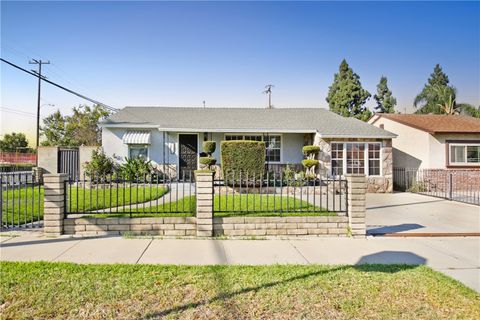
pixel 394 229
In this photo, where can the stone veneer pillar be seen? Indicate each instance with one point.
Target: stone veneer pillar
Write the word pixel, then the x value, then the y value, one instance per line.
pixel 356 208
pixel 54 203
pixel 204 195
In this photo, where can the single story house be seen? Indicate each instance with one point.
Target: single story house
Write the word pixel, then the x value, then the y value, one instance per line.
pixel 172 138
pixel 432 141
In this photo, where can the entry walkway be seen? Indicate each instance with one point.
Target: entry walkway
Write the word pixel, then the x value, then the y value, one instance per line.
pixel 456 257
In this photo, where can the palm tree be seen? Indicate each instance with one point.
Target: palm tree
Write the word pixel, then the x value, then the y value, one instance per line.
pixel 447 100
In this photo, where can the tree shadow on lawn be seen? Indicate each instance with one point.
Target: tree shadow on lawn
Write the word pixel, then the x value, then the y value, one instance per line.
pixel 383 261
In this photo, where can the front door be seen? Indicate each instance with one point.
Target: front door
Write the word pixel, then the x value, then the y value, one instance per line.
pixel 188 146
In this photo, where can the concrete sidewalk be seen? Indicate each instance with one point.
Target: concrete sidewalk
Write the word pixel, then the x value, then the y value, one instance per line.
pixel 456 257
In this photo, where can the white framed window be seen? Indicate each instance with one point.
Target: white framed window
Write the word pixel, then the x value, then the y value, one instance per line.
pixel 464 154
pixel 356 158
pixel 337 159
pixel 137 150
pixel 273 144
pixel 374 159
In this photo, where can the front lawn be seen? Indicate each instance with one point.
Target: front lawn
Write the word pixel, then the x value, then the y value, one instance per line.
pixel 26 205
pixel 254 205
pixel 42 290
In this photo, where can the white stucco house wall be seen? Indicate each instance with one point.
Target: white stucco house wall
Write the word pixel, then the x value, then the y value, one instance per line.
pixel 172 138
pixel 432 141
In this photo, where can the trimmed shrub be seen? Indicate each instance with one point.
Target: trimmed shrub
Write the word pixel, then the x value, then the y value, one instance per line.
pixel 307 150
pixel 99 165
pixel 207 161
pixel 209 147
pixel 242 158
pixel 308 163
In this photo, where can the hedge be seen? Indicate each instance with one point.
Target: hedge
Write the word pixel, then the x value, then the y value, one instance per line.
pixel 242 158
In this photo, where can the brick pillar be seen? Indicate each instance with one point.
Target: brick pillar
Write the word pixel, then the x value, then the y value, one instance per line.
pixel 54 203
pixel 204 194
pixel 356 197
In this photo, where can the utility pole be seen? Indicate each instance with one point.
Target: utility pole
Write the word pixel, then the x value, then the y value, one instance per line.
pixel 268 90
pixel 39 74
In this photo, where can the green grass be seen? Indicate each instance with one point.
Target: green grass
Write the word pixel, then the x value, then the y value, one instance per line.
pixel 79 198
pixel 229 206
pixel 42 290
pixel 265 205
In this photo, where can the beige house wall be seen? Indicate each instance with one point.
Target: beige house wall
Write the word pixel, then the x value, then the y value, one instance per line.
pixel 414 148
pixel 411 147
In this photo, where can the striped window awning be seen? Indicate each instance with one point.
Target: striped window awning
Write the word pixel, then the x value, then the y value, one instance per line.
pixel 136 137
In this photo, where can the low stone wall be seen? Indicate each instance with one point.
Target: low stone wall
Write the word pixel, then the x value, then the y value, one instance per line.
pixel 158 226
pixel 275 226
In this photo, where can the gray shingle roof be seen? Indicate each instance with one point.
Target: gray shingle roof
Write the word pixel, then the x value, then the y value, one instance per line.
pixel 327 123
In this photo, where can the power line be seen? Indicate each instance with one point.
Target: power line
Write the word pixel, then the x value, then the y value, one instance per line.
pixel 60 86
pixel 15 110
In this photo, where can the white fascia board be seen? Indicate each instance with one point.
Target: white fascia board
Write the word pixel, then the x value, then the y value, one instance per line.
pixel 354 136
pixel 128 126
pixel 231 130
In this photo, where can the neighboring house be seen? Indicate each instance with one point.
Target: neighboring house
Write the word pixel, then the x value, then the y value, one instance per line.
pixel 172 138
pixel 433 141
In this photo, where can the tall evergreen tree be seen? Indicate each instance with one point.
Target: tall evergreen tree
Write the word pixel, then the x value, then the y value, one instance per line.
pixel 346 95
pixel 429 100
pixel 385 101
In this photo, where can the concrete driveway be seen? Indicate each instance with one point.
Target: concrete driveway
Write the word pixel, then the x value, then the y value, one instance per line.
pixel 413 213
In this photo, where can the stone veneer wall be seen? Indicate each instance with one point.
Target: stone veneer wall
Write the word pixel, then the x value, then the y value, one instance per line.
pixel 274 226
pixel 374 184
pixel 158 226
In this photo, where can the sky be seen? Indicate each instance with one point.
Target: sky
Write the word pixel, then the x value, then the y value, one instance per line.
pixel 224 53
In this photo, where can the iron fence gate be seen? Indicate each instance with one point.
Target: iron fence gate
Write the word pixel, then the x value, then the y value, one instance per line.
pixel 456 185
pixel 21 200
pixel 123 195
pixel 69 162
pixel 277 194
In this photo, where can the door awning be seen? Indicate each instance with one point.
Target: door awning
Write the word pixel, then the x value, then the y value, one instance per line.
pixel 136 137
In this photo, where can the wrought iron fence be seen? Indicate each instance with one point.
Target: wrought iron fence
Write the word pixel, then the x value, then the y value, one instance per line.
pixel 278 194
pixel 457 185
pixel 128 196
pixel 21 200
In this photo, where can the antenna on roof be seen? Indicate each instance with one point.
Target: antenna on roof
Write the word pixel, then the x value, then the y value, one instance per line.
pixel 268 90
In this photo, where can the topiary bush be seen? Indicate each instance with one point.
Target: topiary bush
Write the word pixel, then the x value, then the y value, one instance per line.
pixel 242 159
pixel 307 150
pixel 207 161
pixel 310 152
pixel 209 147
pixel 308 163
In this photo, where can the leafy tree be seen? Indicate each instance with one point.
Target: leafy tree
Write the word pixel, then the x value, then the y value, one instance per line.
pixel 430 99
pixel 81 128
pixel 346 95
pixel 84 124
pixel 385 101
pixel 55 131
pixel 469 110
pixel 14 142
